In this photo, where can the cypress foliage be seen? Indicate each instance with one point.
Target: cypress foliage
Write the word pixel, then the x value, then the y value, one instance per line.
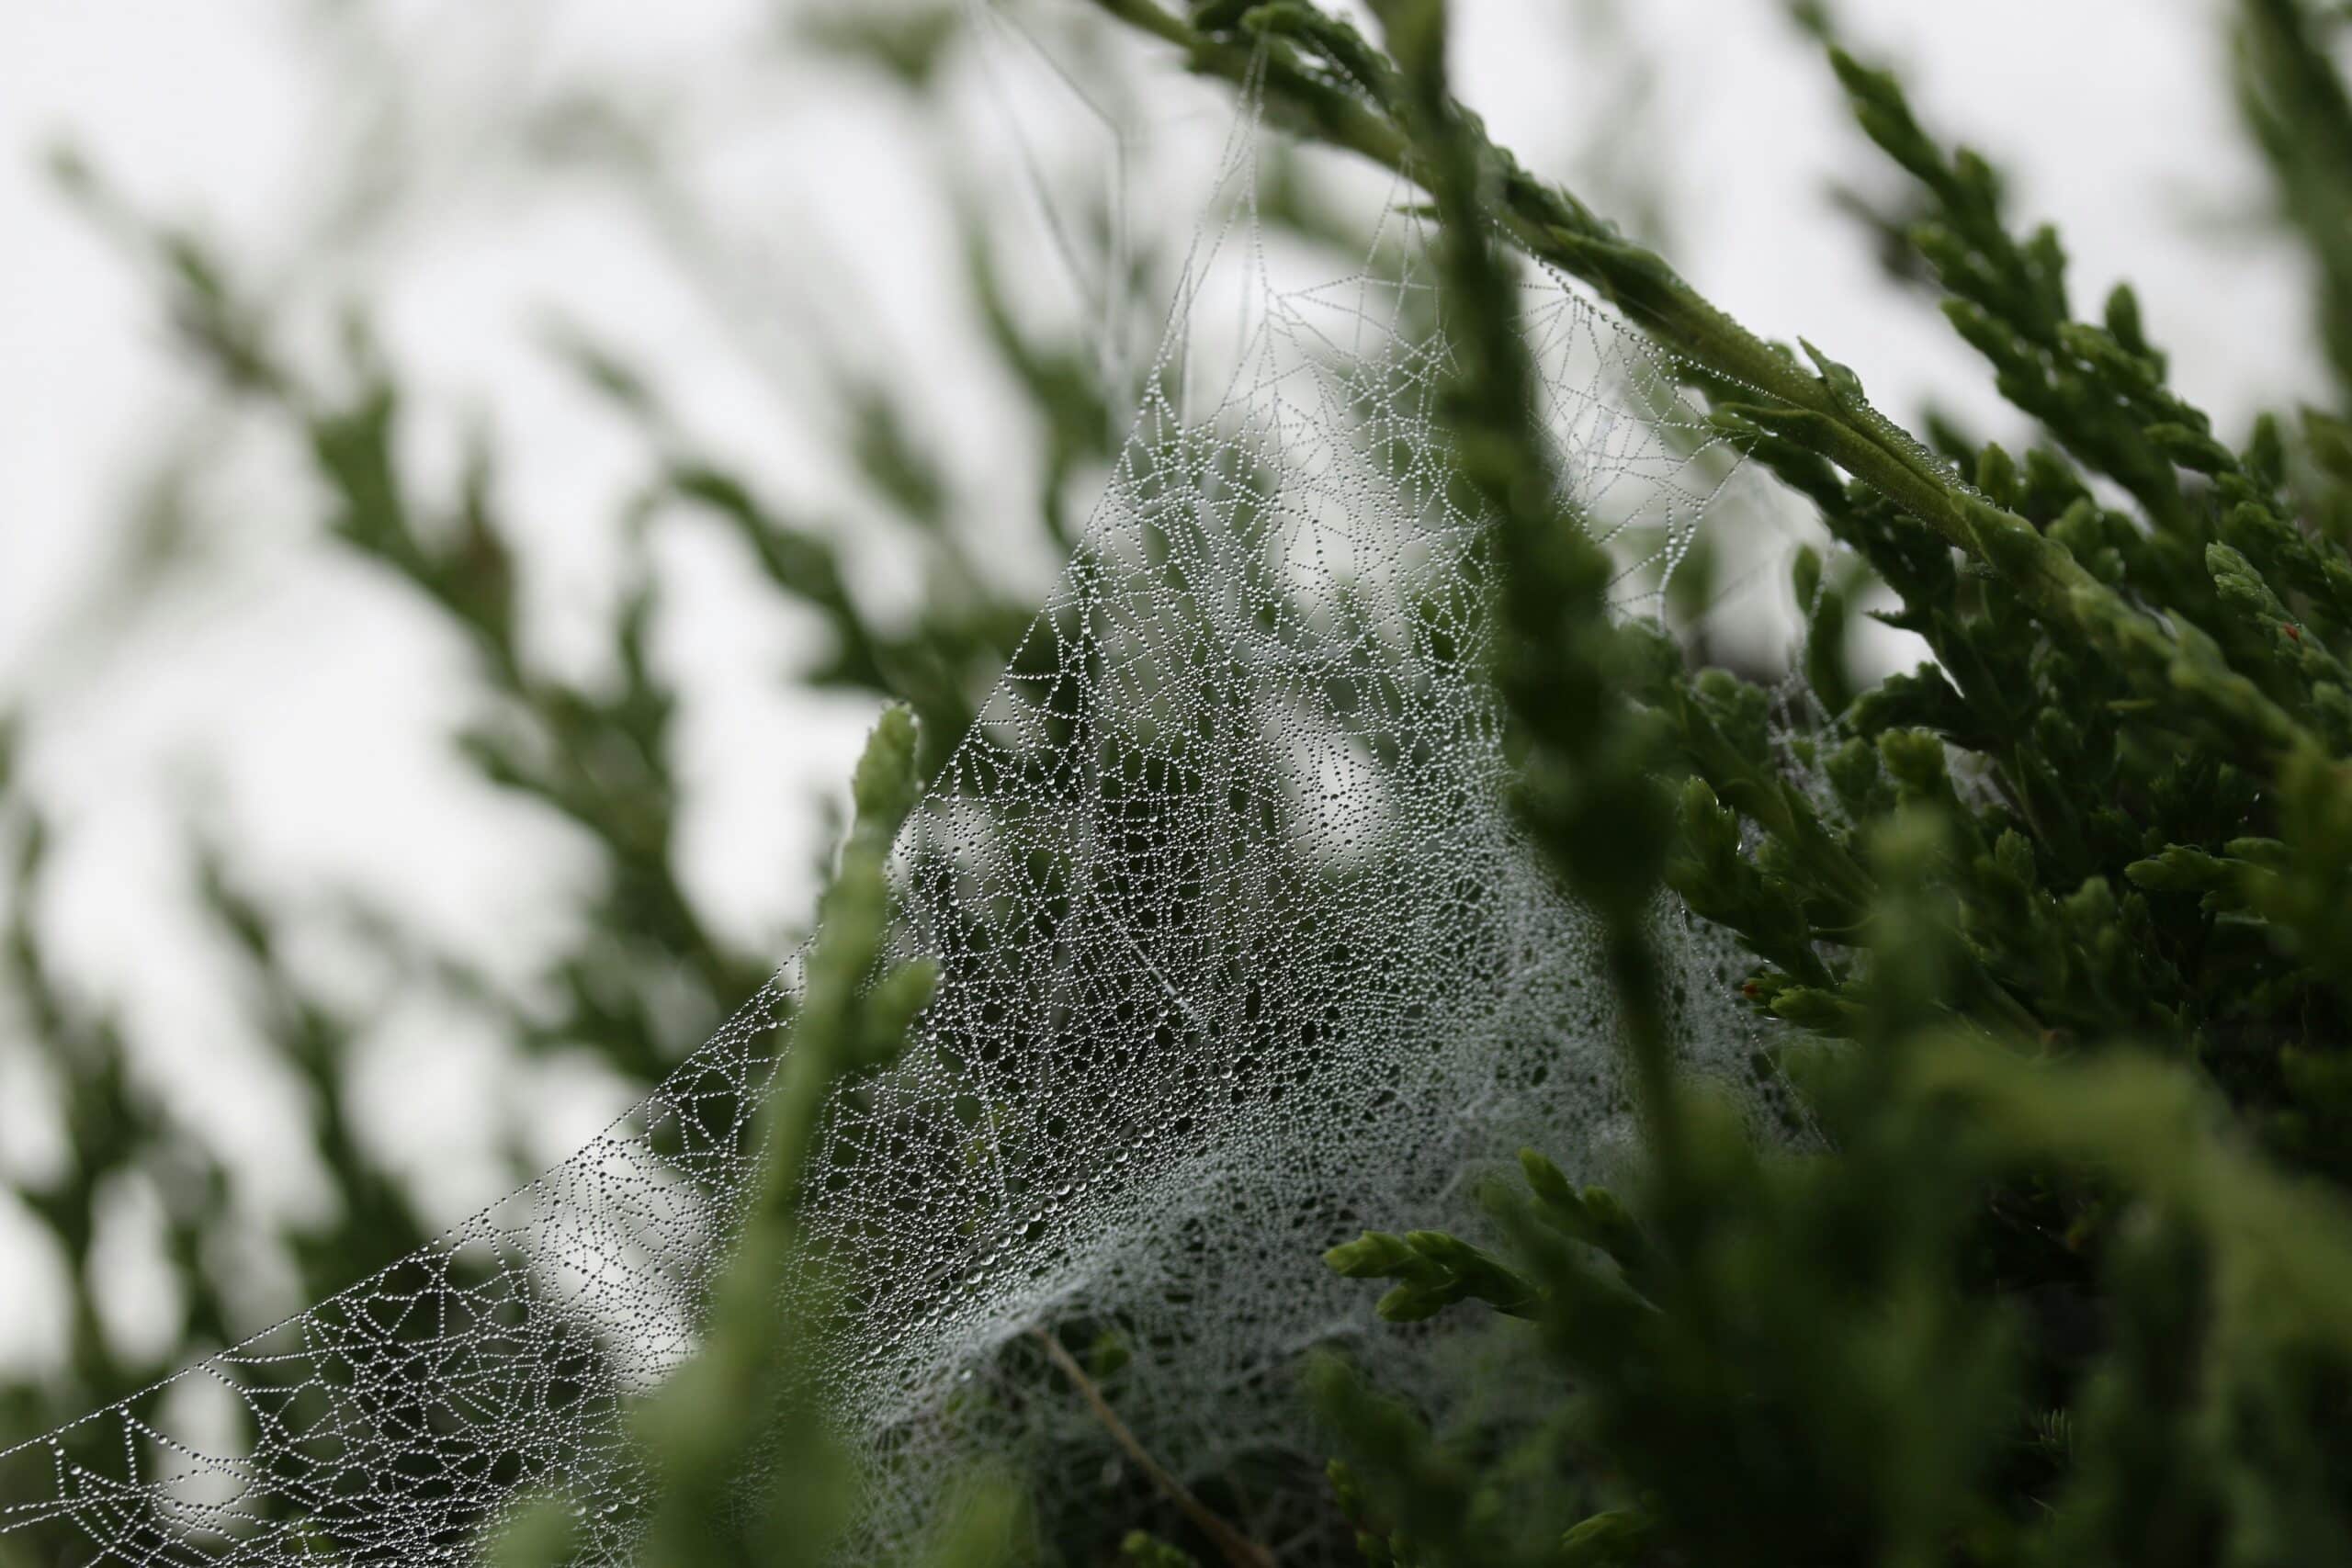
pixel 2064 1272
pixel 2059 1268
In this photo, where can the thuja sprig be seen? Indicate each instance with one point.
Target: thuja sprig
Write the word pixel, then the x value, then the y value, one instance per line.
pixel 739 1438
pixel 1318 74
pixel 2115 806
pixel 2115 815
pixel 2209 628
pixel 1590 797
pixel 748 1385
pixel 2300 115
pixel 1825 1338
pixel 2163 647
pixel 1590 793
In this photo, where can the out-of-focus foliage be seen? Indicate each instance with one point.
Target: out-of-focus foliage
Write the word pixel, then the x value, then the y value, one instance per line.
pixel 650 972
pixel 748 1395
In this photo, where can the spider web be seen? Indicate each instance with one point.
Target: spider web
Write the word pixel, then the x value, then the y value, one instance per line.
pixel 1241 954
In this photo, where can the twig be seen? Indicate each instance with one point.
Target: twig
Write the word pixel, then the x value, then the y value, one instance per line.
pixel 1239 1549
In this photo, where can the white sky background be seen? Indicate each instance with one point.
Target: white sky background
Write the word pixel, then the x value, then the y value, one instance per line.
pixel 302 705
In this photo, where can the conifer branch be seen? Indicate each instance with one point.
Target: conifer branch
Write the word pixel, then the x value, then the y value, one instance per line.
pixel 1824 411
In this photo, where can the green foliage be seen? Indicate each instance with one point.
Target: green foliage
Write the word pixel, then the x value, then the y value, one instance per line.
pixel 2058 1267
pixel 646 971
pixel 2058 918
pixel 739 1438
pixel 2296 105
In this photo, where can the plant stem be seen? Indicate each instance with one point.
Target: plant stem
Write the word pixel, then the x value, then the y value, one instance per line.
pixel 1239 1549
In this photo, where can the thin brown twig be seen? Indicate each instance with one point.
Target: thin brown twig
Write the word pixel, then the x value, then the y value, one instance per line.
pixel 1239 1549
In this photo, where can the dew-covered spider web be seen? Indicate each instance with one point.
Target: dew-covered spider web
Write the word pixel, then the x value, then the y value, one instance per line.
pixel 1241 952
